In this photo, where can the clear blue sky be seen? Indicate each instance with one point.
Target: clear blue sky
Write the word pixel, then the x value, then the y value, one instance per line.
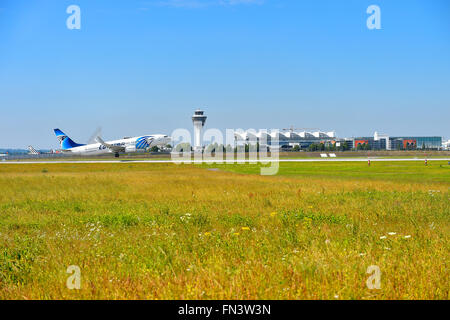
pixel 139 67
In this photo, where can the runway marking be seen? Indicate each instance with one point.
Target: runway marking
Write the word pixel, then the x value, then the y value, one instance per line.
pixel 221 162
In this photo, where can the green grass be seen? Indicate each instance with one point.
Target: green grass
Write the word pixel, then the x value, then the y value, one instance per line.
pixel 436 171
pixel 165 231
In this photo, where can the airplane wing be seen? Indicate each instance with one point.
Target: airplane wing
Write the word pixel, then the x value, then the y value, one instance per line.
pixel 110 146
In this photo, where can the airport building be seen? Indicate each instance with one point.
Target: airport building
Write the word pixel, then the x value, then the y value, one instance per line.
pixel 446 145
pixel 385 142
pixel 288 139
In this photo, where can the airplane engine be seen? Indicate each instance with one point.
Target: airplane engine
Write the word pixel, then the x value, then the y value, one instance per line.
pixel 130 149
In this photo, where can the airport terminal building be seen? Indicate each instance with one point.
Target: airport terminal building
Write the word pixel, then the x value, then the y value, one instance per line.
pixel 385 142
pixel 288 139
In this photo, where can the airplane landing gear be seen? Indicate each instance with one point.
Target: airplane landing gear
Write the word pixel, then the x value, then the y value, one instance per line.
pixel 116 155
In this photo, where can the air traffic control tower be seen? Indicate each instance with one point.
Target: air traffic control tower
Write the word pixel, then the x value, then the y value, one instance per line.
pixel 199 120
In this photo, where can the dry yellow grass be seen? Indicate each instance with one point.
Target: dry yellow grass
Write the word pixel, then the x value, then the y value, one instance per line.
pixel 162 231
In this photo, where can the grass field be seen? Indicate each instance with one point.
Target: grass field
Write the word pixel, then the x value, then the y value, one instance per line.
pixel 165 231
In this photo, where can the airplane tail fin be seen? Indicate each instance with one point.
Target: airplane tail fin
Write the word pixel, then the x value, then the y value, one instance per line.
pixel 65 141
pixel 32 150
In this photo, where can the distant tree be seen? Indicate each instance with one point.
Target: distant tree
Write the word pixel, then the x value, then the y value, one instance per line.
pixel 322 147
pixel 296 148
pixel 183 147
pixel 215 147
pixel 154 149
pixel 363 146
pixel 345 146
pixel 210 148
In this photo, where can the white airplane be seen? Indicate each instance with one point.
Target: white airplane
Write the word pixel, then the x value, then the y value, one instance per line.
pixel 32 150
pixel 125 145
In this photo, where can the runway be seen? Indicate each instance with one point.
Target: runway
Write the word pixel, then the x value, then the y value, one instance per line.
pixel 268 160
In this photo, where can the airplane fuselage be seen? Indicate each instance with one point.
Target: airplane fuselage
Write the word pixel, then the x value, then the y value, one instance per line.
pixel 130 145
